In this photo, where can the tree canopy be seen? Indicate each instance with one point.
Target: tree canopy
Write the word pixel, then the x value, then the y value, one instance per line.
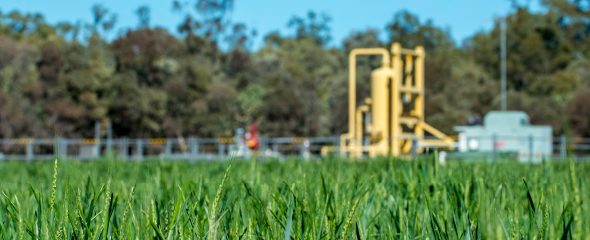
pixel 149 82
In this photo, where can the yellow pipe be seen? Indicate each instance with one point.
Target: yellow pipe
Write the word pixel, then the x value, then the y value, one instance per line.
pixel 343 138
pixel 352 76
pixel 327 149
pixel 359 120
pixel 380 128
pixel 359 126
pixel 437 143
pixel 408 81
pixel 396 51
pixel 352 82
pixel 392 68
pixel 419 102
pixel 409 52
pixel 435 132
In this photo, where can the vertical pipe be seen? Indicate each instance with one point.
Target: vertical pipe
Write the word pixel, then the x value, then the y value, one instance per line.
pixel 380 111
pixel 352 99
pixel 419 102
pixel 359 128
pixel 396 79
pixel 352 85
pixel 409 65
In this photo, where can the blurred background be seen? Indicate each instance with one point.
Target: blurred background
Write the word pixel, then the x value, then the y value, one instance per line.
pixel 206 67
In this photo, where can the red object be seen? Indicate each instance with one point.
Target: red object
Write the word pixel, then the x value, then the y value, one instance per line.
pixel 499 144
pixel 251 137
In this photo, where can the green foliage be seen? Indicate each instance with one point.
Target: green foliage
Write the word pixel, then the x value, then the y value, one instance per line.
pixel 150 83
pixel 329 199
pixel 251 101
pixel 314 28
pixel 407 29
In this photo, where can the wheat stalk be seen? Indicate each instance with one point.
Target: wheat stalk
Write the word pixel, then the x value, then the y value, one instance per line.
pixel 349 220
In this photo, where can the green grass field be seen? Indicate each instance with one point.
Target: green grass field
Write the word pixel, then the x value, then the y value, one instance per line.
pixel 295 199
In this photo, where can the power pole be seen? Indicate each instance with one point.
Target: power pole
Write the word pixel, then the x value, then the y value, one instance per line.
pixel 503 53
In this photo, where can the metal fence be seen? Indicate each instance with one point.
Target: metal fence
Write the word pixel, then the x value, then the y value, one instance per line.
pixel 193 148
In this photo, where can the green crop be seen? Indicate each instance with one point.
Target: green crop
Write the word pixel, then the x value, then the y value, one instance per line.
pixel 294 199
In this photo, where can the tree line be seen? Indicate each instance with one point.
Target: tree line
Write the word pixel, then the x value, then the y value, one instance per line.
pixel 149 82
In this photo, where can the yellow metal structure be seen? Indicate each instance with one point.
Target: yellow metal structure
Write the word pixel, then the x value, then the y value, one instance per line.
pixel 392 119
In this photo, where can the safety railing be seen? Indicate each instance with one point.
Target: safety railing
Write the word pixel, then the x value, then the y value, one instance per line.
pixel 193 148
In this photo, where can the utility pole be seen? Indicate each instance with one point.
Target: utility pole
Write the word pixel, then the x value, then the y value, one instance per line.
pixel 503 53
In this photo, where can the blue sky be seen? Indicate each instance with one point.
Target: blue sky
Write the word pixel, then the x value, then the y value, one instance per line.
pixel 463 17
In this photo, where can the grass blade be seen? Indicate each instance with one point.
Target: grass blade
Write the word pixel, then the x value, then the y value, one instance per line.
pixel 289 223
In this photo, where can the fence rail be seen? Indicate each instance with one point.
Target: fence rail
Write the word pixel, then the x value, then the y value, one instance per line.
pixel 193 148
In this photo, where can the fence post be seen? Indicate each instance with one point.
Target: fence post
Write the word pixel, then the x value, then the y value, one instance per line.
pixel 124 149
pixel 62 147
pixel 194 148
pixel 121 147
pixel 230 149
pixel 494 151
pixel 337 144
pixel 168 148
pixel 531 142
pixel 109 139
pixel 220 150
pixel 139 149
pixel 262 151
pixel 30 150
pixel 96 139
pixel 563 149
pixel 305 149
pixel 57 147
pixel 275 149
pixel 301 149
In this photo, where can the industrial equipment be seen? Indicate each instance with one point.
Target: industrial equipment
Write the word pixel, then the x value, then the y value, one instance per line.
pixel 507 132
pixel 391 122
